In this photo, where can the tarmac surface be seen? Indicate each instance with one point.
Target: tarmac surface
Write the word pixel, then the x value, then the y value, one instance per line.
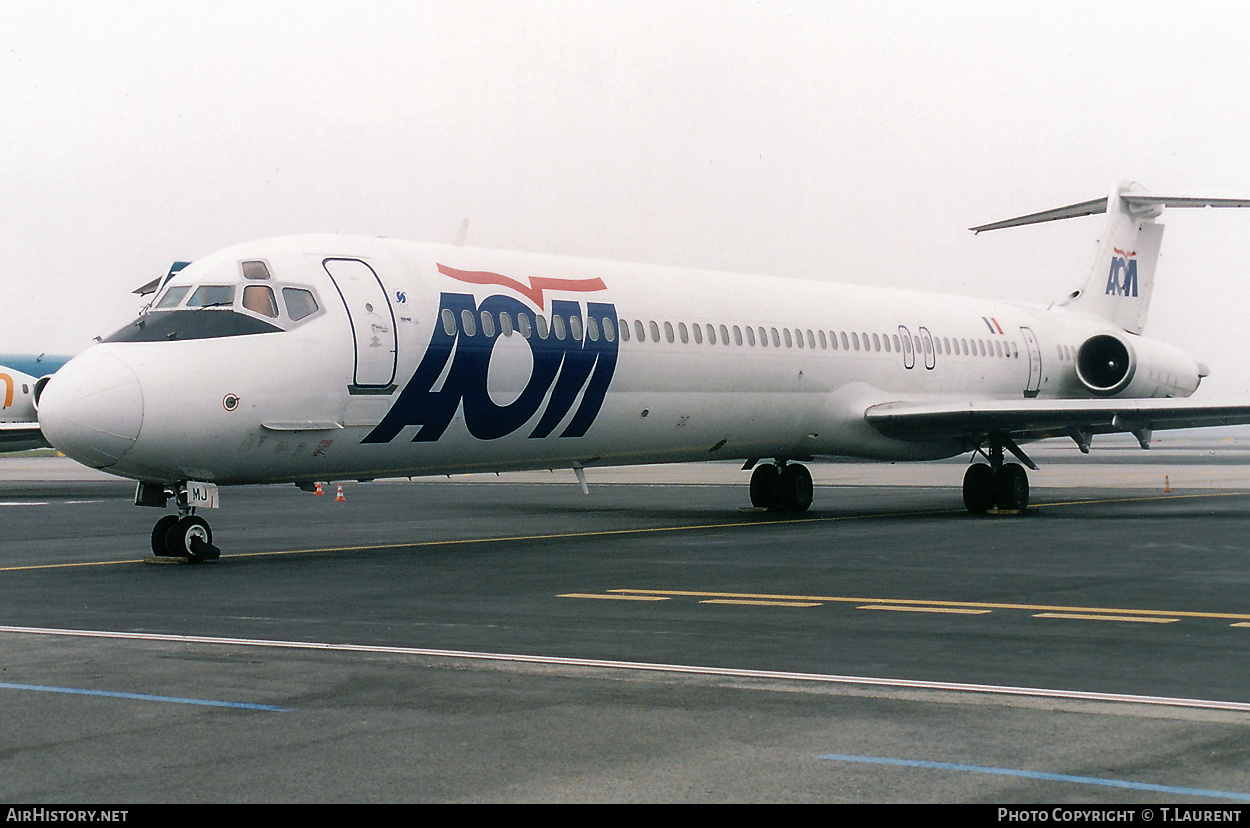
pixel 510 639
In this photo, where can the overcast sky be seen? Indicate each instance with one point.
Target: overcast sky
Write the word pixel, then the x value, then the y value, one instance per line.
pixel 848 141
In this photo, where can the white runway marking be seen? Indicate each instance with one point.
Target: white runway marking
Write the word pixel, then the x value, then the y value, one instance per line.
pixel 45 502
pixel 987 689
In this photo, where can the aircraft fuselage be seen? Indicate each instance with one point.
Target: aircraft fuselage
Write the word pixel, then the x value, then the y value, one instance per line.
pixel 427 359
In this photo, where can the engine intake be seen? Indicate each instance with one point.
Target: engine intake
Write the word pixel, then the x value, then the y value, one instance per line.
pixel 38 390
pixel 1105 364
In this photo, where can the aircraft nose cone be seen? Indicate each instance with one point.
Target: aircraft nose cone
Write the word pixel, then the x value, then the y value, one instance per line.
pixel 92 409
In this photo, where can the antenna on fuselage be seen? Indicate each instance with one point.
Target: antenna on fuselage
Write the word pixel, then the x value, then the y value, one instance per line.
pixel 460 235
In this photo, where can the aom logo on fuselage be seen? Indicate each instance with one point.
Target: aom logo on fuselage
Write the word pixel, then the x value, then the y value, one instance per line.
pixel 568 363
pixel 1122 278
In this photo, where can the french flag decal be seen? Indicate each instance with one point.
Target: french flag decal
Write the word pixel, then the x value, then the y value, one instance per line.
pixel 992 324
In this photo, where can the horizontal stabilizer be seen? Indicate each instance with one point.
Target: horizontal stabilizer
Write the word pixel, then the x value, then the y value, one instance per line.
pixel 1085 208
pixel 1137 202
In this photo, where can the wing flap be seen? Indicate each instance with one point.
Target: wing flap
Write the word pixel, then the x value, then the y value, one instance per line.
pixel 974 420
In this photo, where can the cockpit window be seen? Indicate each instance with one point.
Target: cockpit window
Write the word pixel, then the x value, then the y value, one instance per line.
pixel 255 270
pixel 173 296
pixel 240 309
pixel 299 303
pixel 260 299
pixel 209 296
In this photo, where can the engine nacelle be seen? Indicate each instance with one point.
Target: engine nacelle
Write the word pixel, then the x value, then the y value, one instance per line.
pixel 38 389
pixel 1108 364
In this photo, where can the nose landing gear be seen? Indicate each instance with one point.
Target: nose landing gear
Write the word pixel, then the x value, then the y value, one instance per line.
pixel 185 535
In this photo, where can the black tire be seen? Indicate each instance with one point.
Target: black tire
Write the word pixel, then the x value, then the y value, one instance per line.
pixel 179 536
pixel 1013 488
pixel 980 490
pixel 795 489
pixel 765 482
pixel 159 532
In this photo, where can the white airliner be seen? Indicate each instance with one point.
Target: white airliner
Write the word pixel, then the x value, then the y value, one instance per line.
pixel 324 358
pixel 22 376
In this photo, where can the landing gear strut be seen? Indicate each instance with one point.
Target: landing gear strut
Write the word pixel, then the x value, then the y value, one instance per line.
pixel 786 487
pixel 185 535
pixel 1004 486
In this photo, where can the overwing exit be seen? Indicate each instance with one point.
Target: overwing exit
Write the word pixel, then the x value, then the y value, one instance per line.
pixel 324 358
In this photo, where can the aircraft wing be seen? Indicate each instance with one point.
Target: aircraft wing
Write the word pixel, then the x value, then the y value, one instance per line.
pixel 1039 419
pixel 21 436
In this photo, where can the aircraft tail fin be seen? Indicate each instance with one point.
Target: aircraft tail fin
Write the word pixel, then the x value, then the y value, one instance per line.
pixel 1121 276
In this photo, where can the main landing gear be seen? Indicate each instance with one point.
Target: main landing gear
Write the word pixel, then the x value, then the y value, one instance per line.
pixel 998 485
pixel 184 535
pixel 784 487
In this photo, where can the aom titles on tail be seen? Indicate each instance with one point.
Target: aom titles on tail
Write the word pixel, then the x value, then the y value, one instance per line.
pixel 1121 275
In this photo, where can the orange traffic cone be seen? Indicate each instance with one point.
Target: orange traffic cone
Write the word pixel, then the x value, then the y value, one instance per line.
pixel 318 490
pixel 338 498
pixel 1167 487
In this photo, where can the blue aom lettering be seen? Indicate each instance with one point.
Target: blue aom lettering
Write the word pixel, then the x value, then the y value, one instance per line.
pixel 567 367
pixel 1122 279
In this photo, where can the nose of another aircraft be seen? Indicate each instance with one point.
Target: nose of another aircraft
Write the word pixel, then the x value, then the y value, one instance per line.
pixel 92 409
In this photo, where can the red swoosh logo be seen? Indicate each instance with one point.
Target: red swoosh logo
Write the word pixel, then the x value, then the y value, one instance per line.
pixel 533 291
